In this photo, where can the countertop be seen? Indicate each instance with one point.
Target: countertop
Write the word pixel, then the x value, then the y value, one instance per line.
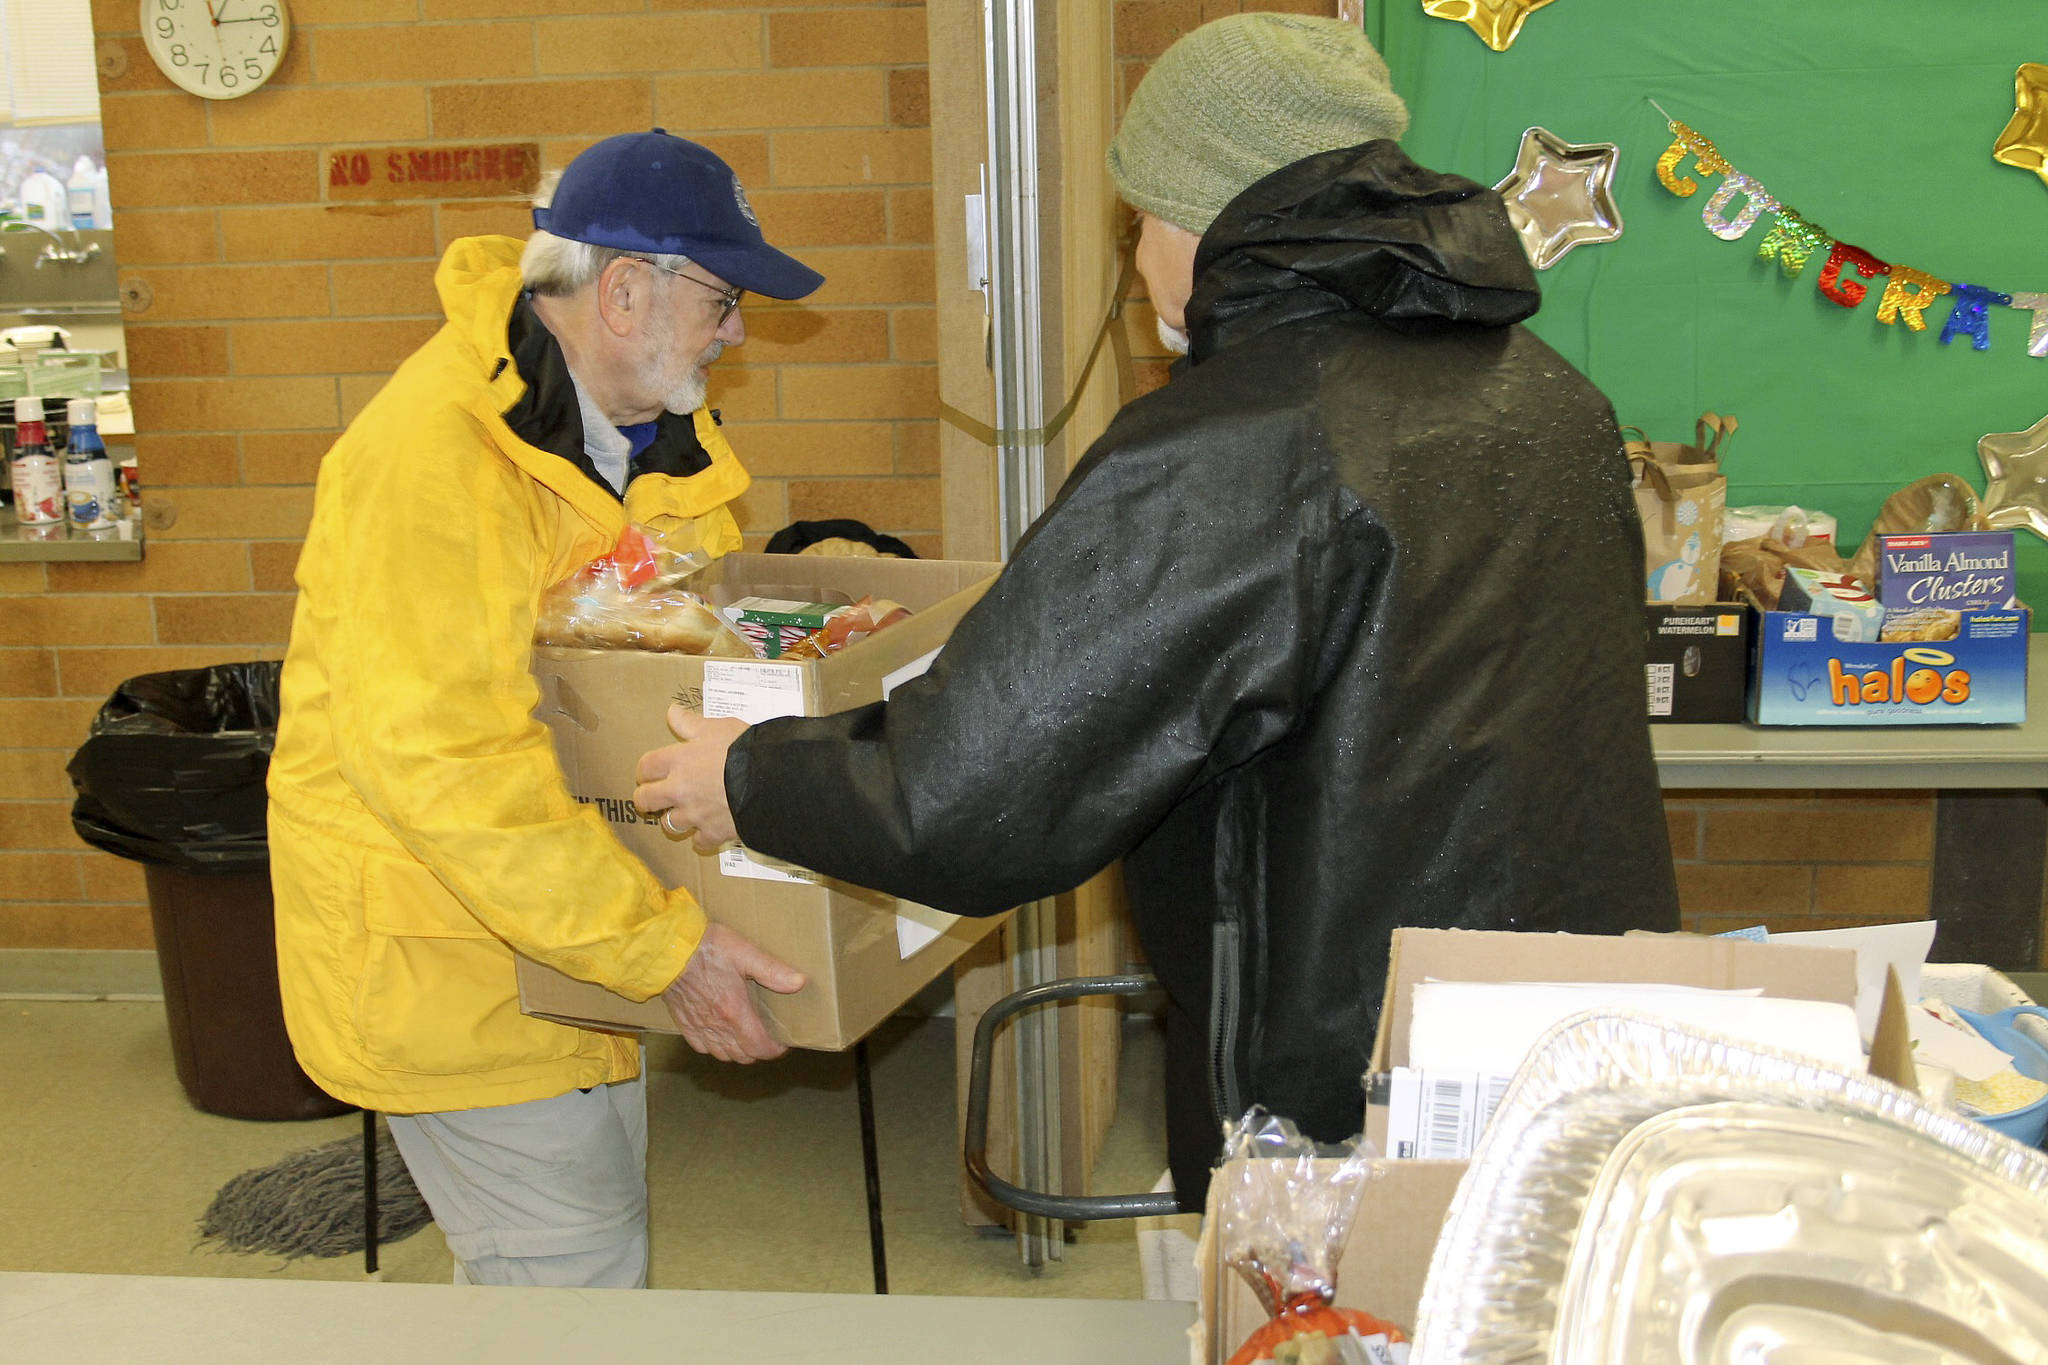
pixel 1865 756
pixel 170 1320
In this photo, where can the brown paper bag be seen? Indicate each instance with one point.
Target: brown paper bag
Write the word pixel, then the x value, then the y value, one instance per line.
pixel 1754 570
pixel 1682 499
pixel 1939 502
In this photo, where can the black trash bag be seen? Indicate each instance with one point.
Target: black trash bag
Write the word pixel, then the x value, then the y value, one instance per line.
pixel 174 767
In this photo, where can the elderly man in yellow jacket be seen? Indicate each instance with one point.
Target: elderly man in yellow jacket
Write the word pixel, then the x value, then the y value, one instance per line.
pixel 421 831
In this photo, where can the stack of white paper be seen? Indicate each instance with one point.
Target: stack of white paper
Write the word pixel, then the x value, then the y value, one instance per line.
pixel 1488 1026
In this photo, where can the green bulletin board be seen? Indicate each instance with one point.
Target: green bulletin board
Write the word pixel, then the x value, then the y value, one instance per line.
pixel 1875 121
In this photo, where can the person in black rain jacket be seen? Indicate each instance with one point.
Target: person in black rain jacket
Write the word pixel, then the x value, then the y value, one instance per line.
pixel 1340 630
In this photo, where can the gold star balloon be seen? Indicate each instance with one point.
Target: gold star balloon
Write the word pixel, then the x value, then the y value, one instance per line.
pixel 1495 21
pixel 2024 143
pixel 2016 479
pixel 1561 195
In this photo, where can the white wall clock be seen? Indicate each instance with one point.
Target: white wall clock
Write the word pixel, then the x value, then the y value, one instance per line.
pixel 217 49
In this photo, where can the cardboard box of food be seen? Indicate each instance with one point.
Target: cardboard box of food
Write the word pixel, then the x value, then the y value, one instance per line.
pixel 865 953
pixel 1386 1259
pixel 1697 662
pixel 1961 668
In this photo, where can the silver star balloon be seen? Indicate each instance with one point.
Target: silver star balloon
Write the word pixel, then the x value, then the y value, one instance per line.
pixel 2016 478
pixel 1561 195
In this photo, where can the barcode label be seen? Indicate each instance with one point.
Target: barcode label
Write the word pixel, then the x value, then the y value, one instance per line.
pixel 1446 1119
pixel 755 692
pixel 1440 1115
pixel 1496 1087
pixel 1663 678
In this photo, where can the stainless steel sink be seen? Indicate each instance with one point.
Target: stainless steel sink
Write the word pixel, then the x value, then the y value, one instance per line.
pixel 63 270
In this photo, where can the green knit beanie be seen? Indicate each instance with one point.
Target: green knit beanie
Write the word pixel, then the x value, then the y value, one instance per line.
pixel 1236 99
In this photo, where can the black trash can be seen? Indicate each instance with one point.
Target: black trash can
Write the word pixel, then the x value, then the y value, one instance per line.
pixel 172 777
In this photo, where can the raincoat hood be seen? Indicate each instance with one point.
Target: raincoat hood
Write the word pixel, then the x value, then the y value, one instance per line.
pixel 476 283
pixel 1365 230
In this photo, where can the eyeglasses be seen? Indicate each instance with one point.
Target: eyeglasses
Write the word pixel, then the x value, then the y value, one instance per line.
pixel 730 298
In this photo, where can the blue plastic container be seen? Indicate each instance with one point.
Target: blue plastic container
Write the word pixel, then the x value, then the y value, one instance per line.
pixel 2029 1058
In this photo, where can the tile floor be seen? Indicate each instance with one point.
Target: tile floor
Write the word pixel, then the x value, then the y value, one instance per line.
pixel 755 1173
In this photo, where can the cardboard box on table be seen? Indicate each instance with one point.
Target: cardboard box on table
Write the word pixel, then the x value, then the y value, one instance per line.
pixel 1401 1212
pixel 1805 676
pixel 1697 662
pixel 865 953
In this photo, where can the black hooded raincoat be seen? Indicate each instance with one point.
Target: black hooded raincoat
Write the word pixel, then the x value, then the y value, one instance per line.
pixel 1340 630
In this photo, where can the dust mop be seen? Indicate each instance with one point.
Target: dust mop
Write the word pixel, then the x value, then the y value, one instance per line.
pixel 311 1203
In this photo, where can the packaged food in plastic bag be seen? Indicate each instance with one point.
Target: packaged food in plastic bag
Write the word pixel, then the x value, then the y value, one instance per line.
pixel 848 626
pixel 1794 527
pixel 1284 1237
pixel 791 628
pixel 637 597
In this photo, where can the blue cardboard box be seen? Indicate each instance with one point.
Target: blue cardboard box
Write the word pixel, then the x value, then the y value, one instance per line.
pixel 1804 676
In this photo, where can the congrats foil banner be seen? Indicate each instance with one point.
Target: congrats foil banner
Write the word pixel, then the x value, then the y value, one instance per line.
pixel 1740 202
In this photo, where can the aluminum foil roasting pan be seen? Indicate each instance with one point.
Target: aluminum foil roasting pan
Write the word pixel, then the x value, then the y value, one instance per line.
pixel 1651 1195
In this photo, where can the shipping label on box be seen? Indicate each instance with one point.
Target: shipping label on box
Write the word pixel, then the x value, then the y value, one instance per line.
pixel 865 953
pixel 755 692
pixel 1436 1115
pixel 1973 673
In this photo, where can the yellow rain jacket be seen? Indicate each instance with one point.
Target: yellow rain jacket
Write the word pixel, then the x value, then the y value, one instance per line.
pixel 421 831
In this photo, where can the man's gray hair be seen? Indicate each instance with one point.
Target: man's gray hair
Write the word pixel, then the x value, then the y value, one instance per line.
pixel 554 265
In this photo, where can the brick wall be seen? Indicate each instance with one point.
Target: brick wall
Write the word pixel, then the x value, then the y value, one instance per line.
pixel 1801 859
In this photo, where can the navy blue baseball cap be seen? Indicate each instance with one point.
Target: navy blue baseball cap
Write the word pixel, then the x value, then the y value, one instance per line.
pixel 665 195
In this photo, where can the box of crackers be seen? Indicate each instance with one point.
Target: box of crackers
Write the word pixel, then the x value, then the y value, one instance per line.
pixel 1933 666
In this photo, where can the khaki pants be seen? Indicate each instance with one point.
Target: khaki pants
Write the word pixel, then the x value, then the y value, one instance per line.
pixel 550 1192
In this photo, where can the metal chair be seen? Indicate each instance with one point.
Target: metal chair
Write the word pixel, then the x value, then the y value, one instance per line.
pixel 1075 1208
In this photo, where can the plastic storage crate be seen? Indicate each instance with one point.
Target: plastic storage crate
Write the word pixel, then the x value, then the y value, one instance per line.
pixel 49 374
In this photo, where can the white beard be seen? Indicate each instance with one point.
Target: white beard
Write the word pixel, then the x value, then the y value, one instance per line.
pixel 1172 338
pixel 688 393
pixel 681 394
